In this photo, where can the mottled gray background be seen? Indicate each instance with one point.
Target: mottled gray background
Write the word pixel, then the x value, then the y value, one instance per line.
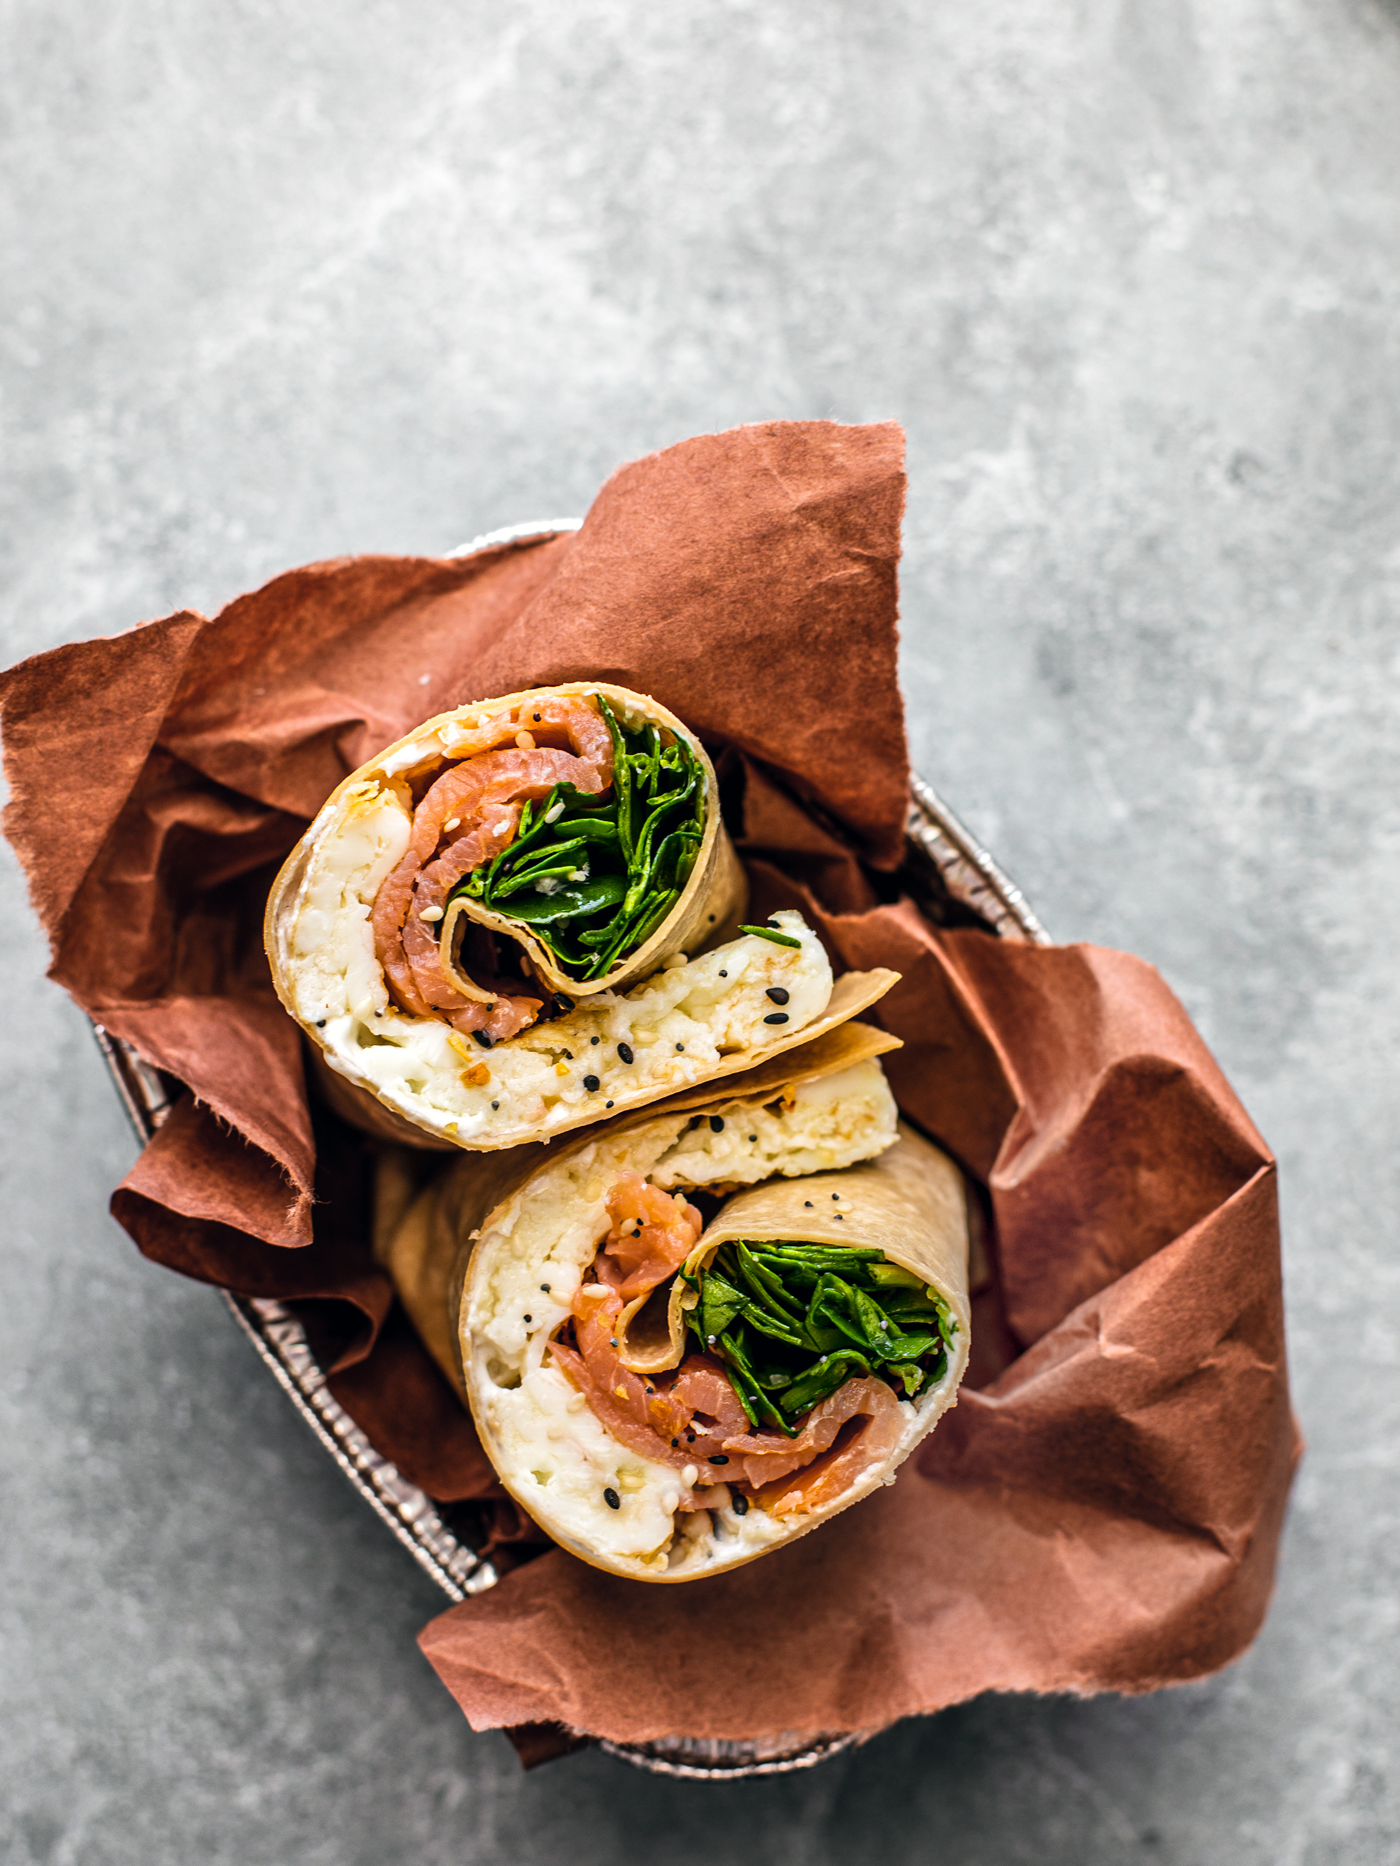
pixel 283 282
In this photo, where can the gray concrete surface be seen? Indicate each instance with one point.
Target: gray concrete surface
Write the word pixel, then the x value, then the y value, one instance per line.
pixel 281 282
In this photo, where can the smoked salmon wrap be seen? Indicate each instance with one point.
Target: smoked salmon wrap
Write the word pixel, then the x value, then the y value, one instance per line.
pixel 525 917
pixel 691 1337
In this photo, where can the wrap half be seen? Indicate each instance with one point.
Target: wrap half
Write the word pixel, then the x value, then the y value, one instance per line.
pixel 670 1399
pixel 508 925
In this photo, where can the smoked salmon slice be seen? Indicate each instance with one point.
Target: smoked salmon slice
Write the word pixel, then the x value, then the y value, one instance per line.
pixel 652 1234
pixel 466 818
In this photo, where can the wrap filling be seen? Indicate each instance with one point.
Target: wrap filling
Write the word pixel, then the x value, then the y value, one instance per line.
pixel 561 820
pixel 800 1354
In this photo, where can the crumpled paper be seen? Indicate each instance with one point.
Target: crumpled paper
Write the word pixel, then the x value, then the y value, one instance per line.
pixel 1102 1510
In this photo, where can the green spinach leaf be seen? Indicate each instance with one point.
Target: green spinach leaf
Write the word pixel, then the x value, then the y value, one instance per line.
pixel 594 878
pixel 795 1321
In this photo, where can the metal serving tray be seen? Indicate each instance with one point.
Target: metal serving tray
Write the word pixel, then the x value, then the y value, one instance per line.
pixel 954 882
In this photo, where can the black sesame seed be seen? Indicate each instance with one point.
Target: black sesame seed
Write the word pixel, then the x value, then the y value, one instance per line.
pixel 724 975
pixel 624 1050
pixel 836 1195
pixel 690 1437
pixel 752 1139
pixel 495 1104
pixel 482 1038
pixel 778 993
pixel 808 1204
pixel 529 1318
pixel 611 1498
pixel 537 718
pixel 776 1017
pixel 562 1004
pixel 741 1506
pixel 839 1217
pixel 680 1046
pixel 716 1123
pixel 320 1023
pixel 712 919
pixel 720 1457
pixel 569 1054
pixel 591 1083
pixel 594 1039
pixel 607 1104
pixel 614 1341
pixel 675 1442
pixel 545 1288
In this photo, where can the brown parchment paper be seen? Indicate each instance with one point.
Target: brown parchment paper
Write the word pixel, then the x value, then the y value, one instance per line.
pixel 1102 1510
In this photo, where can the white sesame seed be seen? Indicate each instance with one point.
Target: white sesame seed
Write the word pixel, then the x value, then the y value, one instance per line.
pixel 431 913
pixel 555 811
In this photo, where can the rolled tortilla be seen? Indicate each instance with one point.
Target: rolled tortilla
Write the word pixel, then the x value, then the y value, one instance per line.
pixel 443 1016
pixel 494 1263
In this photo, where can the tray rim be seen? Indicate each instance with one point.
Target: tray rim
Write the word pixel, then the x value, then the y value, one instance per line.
pixel 971 876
